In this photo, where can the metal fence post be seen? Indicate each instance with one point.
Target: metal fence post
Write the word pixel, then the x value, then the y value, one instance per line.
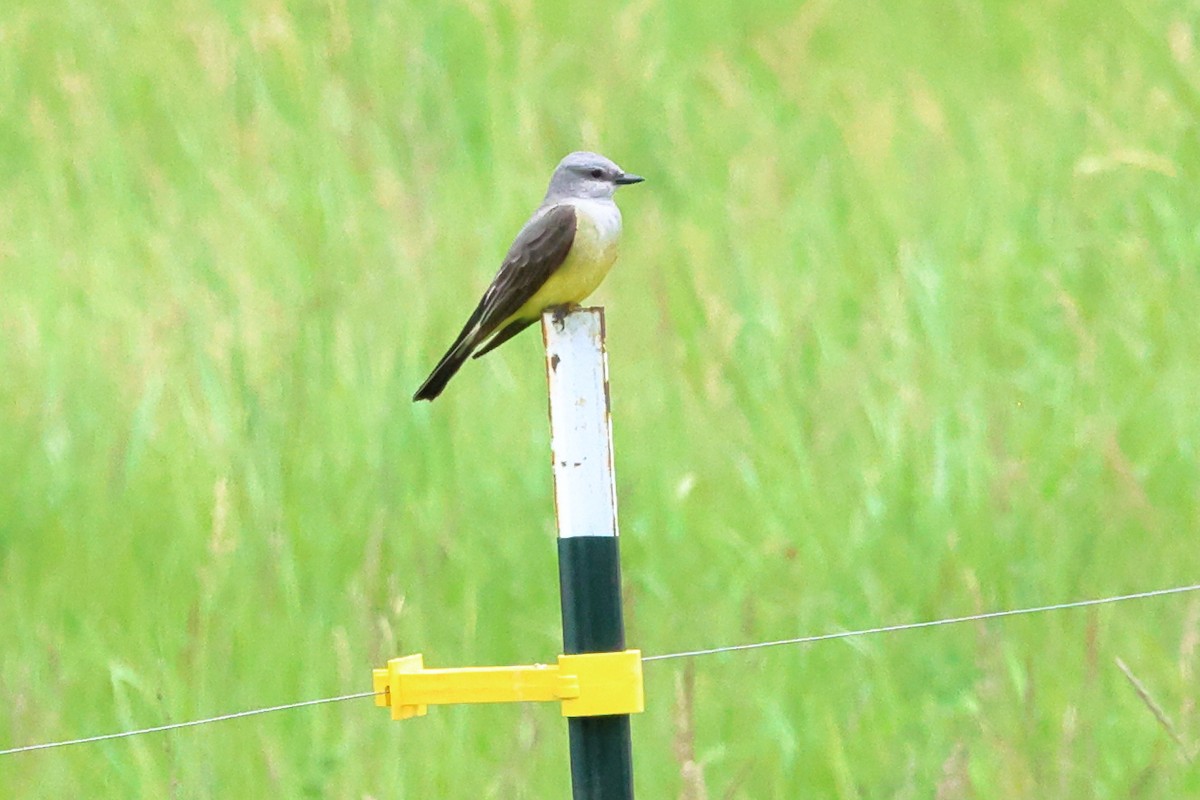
pixel 588 560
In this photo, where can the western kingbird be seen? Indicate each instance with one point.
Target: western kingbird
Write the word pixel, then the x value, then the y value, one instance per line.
pixel 559 258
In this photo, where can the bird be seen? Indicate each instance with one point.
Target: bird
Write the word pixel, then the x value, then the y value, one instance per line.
pixel 558 258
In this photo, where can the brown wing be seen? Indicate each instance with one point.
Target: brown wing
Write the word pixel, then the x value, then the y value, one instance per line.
pixel 539 249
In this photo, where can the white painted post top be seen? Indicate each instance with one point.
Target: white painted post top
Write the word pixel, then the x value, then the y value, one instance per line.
pixel 585 493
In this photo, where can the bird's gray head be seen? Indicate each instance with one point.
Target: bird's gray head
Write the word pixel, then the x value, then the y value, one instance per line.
pixel 587 175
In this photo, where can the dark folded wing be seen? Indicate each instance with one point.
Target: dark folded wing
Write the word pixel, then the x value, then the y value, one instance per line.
pixel 540 248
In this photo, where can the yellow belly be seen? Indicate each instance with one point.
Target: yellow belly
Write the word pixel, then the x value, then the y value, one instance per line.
pixel 591 257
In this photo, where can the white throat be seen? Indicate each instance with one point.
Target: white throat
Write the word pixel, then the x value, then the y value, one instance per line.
pixel 603 213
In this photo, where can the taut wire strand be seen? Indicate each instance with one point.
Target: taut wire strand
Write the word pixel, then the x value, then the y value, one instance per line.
pixel 908 626
pixel 192 723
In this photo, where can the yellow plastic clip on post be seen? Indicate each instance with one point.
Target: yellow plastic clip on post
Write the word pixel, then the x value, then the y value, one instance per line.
pixel 588 685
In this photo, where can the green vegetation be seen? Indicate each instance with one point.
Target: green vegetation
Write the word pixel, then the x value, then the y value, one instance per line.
pixel 907 325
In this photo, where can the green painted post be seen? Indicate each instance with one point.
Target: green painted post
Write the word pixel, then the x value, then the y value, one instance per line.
pixel 589 566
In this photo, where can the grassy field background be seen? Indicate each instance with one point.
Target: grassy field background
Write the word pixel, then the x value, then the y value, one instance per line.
pixel 906 325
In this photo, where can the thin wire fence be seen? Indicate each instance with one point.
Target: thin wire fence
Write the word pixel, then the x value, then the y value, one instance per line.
pixel 823 637
pixel 909 626
pixel 189 724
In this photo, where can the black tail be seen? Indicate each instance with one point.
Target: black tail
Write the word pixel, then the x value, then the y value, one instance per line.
pixel 458 353
pixel 443 372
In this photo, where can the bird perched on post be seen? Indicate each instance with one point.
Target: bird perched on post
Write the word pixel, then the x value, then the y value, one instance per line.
pixel 559 258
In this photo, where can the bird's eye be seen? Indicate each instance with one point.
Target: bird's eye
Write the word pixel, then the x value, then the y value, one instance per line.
pixel 597 173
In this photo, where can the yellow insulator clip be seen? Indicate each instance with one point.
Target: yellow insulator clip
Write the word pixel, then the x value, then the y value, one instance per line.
pixel 587 684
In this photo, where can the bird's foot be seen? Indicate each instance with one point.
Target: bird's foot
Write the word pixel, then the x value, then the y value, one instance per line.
pixel 559 313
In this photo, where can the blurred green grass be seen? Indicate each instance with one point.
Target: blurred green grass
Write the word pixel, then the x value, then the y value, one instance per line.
pixel 904 327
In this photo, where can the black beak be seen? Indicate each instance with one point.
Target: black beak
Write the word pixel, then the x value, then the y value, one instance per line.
pixel 626 178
